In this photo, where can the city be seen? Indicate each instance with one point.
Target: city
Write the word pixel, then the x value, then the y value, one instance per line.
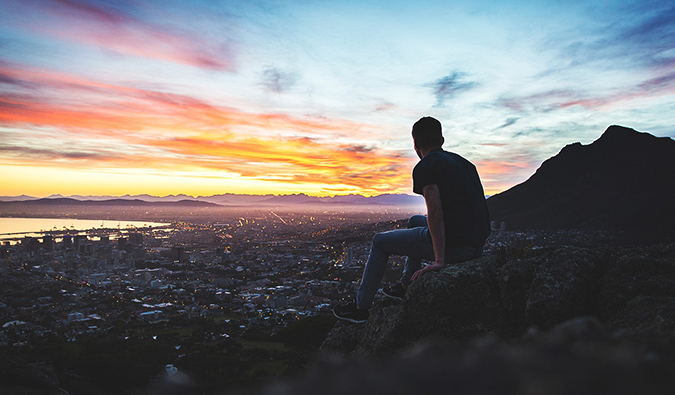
pixel 242 283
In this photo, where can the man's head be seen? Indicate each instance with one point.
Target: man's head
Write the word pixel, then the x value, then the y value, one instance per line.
pixel 427 135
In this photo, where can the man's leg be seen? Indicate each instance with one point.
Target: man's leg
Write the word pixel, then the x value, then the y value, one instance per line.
pixel 411 242
pixel 414 263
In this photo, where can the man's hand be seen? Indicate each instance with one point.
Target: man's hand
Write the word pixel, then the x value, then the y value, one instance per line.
pixel 429 268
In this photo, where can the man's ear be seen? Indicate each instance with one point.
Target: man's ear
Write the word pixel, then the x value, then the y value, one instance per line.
pixel 442 140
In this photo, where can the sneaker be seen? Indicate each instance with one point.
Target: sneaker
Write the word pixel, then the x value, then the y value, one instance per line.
pixel 396 292
pixel 350 313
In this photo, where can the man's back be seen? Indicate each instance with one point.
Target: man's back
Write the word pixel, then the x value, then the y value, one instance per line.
pixel 465 212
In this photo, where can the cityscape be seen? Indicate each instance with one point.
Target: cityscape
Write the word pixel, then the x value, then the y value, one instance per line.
pixel 245 278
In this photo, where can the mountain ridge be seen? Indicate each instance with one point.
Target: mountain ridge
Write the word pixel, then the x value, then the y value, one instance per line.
pixel 109 202
pixel 227 199
pixel 623 181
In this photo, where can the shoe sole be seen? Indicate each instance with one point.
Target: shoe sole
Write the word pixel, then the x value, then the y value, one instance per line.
pixel 349 319
pixel 396 298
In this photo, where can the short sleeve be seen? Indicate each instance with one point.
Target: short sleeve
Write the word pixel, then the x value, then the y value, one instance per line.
pixel 424 174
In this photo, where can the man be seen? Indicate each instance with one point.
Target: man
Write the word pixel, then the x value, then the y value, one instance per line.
pixel 454 230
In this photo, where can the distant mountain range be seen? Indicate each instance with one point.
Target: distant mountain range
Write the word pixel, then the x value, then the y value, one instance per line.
pixel 623 181
pixel 106 202
pixel 219 200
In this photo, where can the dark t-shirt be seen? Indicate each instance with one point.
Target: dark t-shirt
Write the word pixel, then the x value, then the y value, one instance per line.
pixel 465 212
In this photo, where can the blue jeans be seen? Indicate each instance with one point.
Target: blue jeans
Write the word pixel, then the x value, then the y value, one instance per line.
pixel 413 242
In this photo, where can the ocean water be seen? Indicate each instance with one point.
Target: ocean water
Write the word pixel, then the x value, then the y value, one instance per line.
pixel 35 227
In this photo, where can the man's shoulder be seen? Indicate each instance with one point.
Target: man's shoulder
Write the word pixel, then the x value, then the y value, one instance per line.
pixel 443 157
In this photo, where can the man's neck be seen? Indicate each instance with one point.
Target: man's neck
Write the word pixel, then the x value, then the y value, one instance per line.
pixel 426 152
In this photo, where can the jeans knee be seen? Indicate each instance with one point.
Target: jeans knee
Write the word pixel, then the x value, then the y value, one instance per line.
pixel 416 221
pixel 378 239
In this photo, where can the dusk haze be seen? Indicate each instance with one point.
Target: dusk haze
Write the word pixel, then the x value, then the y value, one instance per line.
pixel 279 97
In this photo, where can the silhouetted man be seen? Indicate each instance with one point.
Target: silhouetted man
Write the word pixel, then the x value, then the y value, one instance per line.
pixel 454 230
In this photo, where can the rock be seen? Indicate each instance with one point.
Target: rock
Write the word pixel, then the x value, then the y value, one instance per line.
pixel 515 279
pixel 575 357
pixel 459 302
pixel 17 377
pixel 343 338
pixel 647 315
pixel 640 272
pixel 629 290
pixel 563 286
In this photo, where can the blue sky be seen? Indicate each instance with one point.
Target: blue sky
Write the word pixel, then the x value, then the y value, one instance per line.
pixel 315 96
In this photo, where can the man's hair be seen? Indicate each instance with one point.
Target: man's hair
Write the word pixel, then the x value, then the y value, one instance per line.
pixel 427 133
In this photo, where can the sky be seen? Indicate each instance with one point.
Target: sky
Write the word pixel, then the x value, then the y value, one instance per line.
pixel 317 97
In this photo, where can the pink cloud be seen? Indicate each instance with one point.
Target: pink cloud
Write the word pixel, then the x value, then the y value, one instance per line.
pixel 124 33
pixel 558 99
pixel 109 125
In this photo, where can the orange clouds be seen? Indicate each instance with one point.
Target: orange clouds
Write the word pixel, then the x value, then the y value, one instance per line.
pixel 99 125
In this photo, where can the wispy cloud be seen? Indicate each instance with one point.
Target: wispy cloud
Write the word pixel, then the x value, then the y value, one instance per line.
pixel 111 29
pixel 653 35
pixel 174 88
pixel 276 80
pixel 447 87
pixel 507 123
pixel 45 154
pixel 539 102
pixel 635 35
pixel 547 101
pixel 164 130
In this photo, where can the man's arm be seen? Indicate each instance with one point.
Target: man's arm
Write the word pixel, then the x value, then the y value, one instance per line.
pixel 432 197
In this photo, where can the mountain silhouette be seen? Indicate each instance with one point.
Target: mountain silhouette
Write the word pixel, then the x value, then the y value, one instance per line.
pixel 108 202
pixel 624 181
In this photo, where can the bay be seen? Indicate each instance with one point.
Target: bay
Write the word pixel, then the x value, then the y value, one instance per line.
pixel 35 227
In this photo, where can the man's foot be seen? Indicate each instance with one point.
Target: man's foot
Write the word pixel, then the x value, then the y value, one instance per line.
pixel 396 292
pixel 350 313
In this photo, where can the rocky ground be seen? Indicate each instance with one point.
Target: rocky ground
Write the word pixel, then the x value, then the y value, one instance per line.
pixel 567 320
pixel 17 378
pixel 560 321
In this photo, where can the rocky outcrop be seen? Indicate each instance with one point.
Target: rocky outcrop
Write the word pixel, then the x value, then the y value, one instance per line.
pixel 625 290
pixel 649 273
pixel 580 356
pixel 465 302
pixel 19 378
pixel 563 286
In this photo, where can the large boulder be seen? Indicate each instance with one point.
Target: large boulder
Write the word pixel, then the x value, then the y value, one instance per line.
pixel 459 302
pixel 515 279
pixel 626 290
pixel 563 287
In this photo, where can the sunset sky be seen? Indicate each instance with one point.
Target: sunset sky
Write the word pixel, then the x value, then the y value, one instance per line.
pixel 317 97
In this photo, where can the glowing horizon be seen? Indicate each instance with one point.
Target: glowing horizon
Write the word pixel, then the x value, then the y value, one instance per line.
pixel 194 98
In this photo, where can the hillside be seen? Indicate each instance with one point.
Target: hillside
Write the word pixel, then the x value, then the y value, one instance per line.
pixel 624 181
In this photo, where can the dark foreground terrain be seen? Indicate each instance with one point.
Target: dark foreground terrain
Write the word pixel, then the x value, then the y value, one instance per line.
pixel 560 321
